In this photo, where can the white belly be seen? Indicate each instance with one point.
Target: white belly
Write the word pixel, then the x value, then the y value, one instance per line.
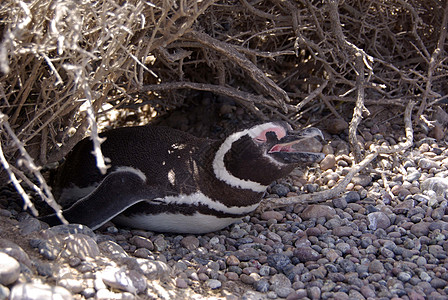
pixel 178 223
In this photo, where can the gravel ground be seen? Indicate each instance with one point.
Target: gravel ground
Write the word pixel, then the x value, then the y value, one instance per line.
pixel 385 238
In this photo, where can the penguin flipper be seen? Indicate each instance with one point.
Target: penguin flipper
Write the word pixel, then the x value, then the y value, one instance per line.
pixel 117 192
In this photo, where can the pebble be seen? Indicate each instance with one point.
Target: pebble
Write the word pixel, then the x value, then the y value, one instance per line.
pixel 376 267
pixel 9 269
pixel 420 229
pixel 213 284
pixel 190 242
pixel 142 242
pixel 305 254
pixel 343 231
pixel 36 291
pixel 279 261
pixel 120 278
pixel 271 215
pixel 378 220
pixel 328 162
pixel 318 211
pixel 181 283
pixel 280 189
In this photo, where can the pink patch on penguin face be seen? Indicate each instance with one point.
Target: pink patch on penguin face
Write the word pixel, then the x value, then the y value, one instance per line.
pixel 280 132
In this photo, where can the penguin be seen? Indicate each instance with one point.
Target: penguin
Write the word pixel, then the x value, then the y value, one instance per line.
pixel 165 180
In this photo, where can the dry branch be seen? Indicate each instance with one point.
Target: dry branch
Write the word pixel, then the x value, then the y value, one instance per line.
pixel 277 59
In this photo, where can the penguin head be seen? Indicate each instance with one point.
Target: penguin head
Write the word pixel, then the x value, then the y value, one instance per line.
pixel 255 157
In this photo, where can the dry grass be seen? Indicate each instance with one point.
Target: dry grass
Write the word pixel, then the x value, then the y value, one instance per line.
pixel 62 60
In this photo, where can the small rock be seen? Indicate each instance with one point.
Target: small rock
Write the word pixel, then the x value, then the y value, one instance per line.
pixel 247 279
pixel 190 242
pixel 376 267
pixel 4 292
pixel 336 125
pixel 318 211
pixel 142 242
pixel 339 203
pixel 120 278
pixel 378 220
pixel 279 283
pixel 36 291
pixel 367 292
pixel 9 269
pixel 271 214
pixel 278 261
pixel 232 260
pixel 30 225
pixel 314 292
pixel 305 254
pixel 328 162
pixel 13 250
pixel 73 285
pixel 404 276
pixel 427 164
pixel 105 294
pixel 113 249
pixel 362 180
pixel 153 269
pixel 438 283
pixel 247 254
pixel 181 283
pixel 261 286
pixel 343 231
pixel 438 185
pixel 280 189
pixel 420 229
pixel 437 132
pixel 213 284
pixel 232 276
pixel 160 244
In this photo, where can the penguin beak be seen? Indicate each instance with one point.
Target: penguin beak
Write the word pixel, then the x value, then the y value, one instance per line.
pixel 299 146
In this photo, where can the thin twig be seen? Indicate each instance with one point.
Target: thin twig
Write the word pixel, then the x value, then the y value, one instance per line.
pixel 341 185
pixel 44 190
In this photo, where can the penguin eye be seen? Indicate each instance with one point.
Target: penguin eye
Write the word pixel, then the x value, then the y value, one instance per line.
pixel 271 136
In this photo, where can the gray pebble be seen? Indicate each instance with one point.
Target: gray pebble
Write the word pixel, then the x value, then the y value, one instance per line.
pixel 119 278
pixel 376 267
pixel 261 286
pixel 36 291
pixel 280 189
pixel 404 276
pixel 305 254
pixel 142 242
pixel 9 269
pixel 318 211
pixel 339 203
pixel 30 225
pixel 438 283
pixel 341 231
pixel 278 261
pixel 420 229
pixel 314 292
pixel 190 242
pixel 213 284
pixel 160 244
pixel 113 249
pixel 378 220
pixel 4 292
pixel 247 254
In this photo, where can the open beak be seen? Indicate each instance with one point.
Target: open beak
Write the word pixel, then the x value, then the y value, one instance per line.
pixel 299 146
